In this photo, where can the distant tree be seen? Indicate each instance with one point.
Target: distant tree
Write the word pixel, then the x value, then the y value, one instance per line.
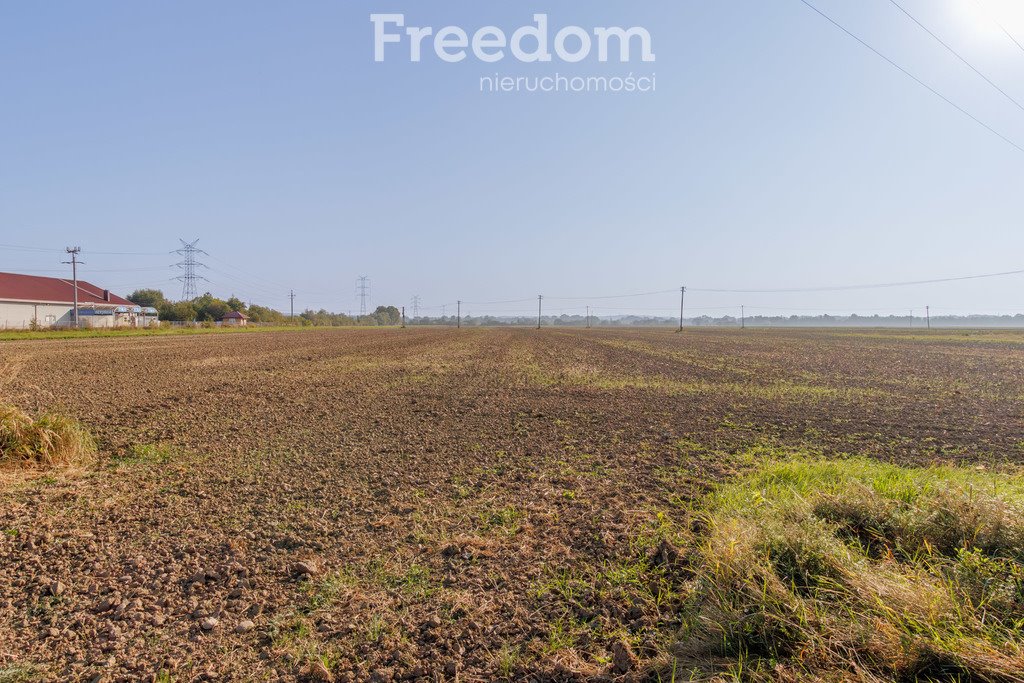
pixel 147 297
pixel 324 318
pixel 215 310
pixel 182 311
pixel 210 308
pixel 387 315
pixel 236 304
pixel 262 314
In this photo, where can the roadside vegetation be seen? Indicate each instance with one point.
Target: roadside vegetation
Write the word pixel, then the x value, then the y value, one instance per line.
pixel 208 308
pixel 163 331
pixel 859 569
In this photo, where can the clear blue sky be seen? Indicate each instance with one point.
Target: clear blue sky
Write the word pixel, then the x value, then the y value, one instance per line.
pixel 776 152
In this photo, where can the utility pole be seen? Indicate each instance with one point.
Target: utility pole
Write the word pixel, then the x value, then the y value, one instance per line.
pixel 403 317
pixel 291 295
pixel 743 317
pixel 682 299
pixel 416 306
pixel 189 265
pixel 928 315
pixel 911 317
pixel 74 251
pixel 540 300
pixel 363 292
pixel 458 319
pixel 588 317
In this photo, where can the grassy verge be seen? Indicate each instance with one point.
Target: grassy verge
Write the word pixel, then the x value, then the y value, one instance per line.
pixel 859 570
pixel 15 335
pixel 47 442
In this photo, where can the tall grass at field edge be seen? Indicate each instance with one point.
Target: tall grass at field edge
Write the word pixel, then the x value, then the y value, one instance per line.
pixel 51 441
pixel 860 570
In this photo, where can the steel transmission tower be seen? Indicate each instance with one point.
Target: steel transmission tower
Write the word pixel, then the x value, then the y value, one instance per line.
pixel 189 265
pixel 363 292
pixel 416 306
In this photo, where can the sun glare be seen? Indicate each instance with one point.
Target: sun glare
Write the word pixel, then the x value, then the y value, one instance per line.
pixel 985 20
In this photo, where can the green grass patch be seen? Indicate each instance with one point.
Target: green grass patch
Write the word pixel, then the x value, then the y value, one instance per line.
pixel 506 520
pixel 862 570
pixel 145 454
pixel 594 377
pixel 20 674
pixel 414 580
pixel 324 592
pixel 21 335
pixel 508 660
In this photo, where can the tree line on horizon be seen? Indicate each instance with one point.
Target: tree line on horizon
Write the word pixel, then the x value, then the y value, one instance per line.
pixel 208 308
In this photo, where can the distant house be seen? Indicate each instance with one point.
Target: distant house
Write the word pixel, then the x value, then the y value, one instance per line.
pixel 28 301
pixel 235 319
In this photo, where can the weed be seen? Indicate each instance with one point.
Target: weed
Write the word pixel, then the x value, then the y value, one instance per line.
pixel 293 635
pixel 48 442
pixel 561 636
pixel 509 659
pixel 19 674
pixel 506 519
pixel 414 581
pixel 145 454
pixel 324 592
pixel 376 628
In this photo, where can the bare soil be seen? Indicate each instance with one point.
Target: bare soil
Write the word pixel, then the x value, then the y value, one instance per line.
pixel 431 504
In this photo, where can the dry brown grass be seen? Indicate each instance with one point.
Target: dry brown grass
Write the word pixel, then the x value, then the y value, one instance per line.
pixel 862 570
pixel 49 442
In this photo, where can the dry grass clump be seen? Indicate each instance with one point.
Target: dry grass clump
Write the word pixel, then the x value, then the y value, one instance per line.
pixel 858 570
pixel 51 441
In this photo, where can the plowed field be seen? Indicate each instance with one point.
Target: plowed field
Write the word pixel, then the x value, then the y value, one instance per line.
pixel 431 504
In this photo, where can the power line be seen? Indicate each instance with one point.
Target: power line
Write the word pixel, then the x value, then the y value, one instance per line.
pixel 128 253
pixel 495 303
pixel 916 79
pixel 1001 27
pixel 611 296
pixel 884 285
pixel 956 54
pixel 277 286
pixel 263 288
pixel 97 253
pixel 19 247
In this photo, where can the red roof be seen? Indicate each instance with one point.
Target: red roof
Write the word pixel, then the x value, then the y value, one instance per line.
pixel 37 289
pixel 234 315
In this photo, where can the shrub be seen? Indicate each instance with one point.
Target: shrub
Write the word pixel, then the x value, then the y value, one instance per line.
pixel 48 442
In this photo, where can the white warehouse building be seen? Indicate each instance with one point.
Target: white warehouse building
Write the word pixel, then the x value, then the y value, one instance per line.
pixel 29 301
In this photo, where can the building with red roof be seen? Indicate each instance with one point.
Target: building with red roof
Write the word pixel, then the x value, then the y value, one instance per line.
pixel 234 319
pixel 28 301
